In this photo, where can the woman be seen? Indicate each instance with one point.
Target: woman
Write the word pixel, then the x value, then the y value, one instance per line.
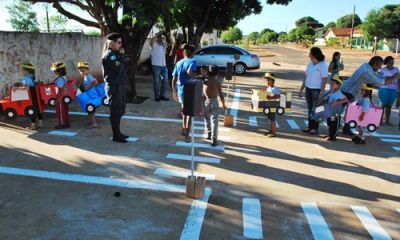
pixel 314 83
pixel 336 64
pixel 388 92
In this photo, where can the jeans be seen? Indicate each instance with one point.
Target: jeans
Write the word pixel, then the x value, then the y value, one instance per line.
pixel 312 100
pixel 157 72
pixel 211 107
pixel 333 124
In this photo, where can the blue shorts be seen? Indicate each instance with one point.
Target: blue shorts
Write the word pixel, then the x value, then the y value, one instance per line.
pixel 387 96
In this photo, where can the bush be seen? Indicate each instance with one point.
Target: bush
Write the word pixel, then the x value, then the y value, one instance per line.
pixel 333 42
pixel 204 43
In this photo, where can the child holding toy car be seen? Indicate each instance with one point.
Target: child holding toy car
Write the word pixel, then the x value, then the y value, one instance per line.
pixel 272 94
pixel 61 85
pixel 365 102
pixel 88 82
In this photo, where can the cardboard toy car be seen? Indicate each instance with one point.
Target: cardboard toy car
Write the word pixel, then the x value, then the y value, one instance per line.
pixel 93 98
pixel 371 120
pixel 325 111
pixel 48 93
pixel 20 102
pixel 260 102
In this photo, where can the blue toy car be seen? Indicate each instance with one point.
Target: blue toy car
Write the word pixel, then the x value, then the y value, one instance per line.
pixel 93 98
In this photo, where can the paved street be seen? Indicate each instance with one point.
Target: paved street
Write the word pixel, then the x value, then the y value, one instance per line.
pixel 62 185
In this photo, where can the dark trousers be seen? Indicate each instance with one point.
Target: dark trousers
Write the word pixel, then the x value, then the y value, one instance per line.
pixel 350 98
pixel 333 124
pixel 312 100
pixel 117 109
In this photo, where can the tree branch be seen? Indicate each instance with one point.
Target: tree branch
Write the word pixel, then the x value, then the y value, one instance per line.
pixel 72 16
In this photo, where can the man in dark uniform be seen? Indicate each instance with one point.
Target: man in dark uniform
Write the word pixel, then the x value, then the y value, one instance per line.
pixel 115 77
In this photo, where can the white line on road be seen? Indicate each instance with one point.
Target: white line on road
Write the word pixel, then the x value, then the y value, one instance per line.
pixel 306 122
pixel 370 223
pixel 375 134
pixel 396 148
pixel 182 174
pixel 292 124
pixel 252 226
pixel 235 106
pixel 253 121
pixel 195 218
pixel 277 125
pixel 196 158
pixel 318 226
pixel 200 145
pixel 92 179
pixel 388 140
pixel 63 133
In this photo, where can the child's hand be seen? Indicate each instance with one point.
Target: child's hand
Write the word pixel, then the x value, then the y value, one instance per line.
pixel 334 104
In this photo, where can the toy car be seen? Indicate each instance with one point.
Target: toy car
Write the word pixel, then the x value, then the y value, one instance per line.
pixel 48 93
pixel 93 98
pixel 260 102
pixel 20 103
pixel 324 111
pixel 371 120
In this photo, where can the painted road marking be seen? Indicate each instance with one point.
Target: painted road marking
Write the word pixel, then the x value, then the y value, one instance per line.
pixel 63 133
pixel 388 140
pixel 252 226
pixel 196 158
pixel 396 148
pixel 201 135
pixel 93 179
pixel 200 145
pixel 370 223
pixel 292 124
pixel 318 226
pixel 130 139
pixel 195 218
pixel 253 121
pixel 375 134
pixel 235 106
pixel 277 125
pixel 182 174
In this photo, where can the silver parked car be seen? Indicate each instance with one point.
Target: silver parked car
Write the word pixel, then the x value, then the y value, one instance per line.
pixel 221 54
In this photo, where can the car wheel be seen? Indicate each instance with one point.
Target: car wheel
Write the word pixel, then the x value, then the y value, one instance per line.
pixel 266 111
pixel 105 101
pixel 240 68
pixel 67 100
pixel 10 113
pixel 52 102
pixel 280 111
pixel 30 112
pixel 352 124
pixel 90 108
pixel 371 128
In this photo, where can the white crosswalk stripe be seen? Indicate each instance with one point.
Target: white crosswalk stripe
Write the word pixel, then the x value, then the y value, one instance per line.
pixel 252 226
pixel 253 121
pixel 292 123
pixel 318 226
pixel 370 223
pixel 196 158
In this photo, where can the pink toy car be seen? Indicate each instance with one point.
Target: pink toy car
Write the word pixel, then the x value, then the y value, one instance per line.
pixel 371 120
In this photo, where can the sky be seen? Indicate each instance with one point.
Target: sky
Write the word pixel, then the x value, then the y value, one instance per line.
pixel 276 17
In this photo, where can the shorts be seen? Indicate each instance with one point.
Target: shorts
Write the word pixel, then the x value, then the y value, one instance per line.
pixel 387 96
pixel 271 116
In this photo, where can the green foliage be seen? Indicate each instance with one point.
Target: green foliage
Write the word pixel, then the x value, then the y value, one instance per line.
pixel 346 21
pixel 265 30
pixel 283 37
pixel 301 34
pixel 93 33
pixel 333 42
pixel 329 25
pixel 204 43
pixel 268 37
pixel 231 35
pixel 382 23
pixel 22 18
pixel 308 22
pixel 253 37
pixel 57 23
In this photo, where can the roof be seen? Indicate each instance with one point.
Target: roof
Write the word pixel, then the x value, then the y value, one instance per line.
pixel 343 32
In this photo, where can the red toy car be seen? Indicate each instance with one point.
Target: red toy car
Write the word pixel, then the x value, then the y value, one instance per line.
pixel 48 93
pixel 20 103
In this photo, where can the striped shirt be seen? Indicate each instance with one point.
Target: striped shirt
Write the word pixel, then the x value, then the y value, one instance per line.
pixel 363 75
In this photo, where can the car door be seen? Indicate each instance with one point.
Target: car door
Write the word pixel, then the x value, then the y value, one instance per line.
pixel 206 56
pixel 224 55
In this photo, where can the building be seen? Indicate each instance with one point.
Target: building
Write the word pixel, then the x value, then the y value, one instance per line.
pixel 342 34
pixel 212 38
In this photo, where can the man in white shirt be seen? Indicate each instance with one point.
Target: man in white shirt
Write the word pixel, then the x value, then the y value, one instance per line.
pixel 158 61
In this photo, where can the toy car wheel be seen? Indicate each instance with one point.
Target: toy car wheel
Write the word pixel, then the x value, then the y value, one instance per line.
pixel 280 111
pixel 30 112
pixel 105 101
pixel 52 102
pixel 267 111
pixel 10 113
pixel 90 108
pixel 371 128
pixel 353 124
pixel 67 100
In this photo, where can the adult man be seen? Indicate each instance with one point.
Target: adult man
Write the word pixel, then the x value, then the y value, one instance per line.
pixel 367 73
pixel 115 77
pixel 158 61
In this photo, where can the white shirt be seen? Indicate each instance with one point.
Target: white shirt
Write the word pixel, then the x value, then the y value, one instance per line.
pixel 158 54
pixel 315 74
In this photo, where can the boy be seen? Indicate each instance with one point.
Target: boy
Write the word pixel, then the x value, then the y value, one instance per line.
pixel 88 82
pixel 273 93
pixel 365 103
pixel 61 82
pixel 212 89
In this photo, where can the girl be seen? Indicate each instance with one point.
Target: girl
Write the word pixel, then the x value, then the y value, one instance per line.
pixel 336 64
pixel 388 92
pixel 365 102
pixel 28 82
pixel 61 87
pixel 88 82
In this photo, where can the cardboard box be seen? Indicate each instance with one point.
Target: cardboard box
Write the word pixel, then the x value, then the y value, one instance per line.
pixel 195 187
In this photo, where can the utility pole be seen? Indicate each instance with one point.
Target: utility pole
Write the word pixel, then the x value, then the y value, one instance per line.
pixel 47 18
pixel 352 27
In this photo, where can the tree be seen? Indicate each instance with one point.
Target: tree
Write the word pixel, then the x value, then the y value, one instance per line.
pixel 329 25
pixel 308 22
pixel 301 34
pixel 383 23
pixel 265 30
pixel 231 35
pixel 346 21
pixel 253 37
pixel 283 37
pixel 57 23
pixel 22 18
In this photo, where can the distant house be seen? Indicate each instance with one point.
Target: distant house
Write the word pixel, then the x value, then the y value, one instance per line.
pixel 343 34
pixel 212 38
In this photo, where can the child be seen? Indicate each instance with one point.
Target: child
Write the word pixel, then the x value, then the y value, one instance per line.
pixel 273 93
pixel 335 100
pixel 28 82
pixel 388 92
pixel 365 103
pixel 61 87
pixel 88 82
pixel 212 89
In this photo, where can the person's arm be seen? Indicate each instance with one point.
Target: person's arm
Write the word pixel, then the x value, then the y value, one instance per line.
pixel 174 90
pixel 339 102
pixel 303 85
pixel 192 70
pixel 221 95
pixel 92 84
pixel 331 69
pixel 376 79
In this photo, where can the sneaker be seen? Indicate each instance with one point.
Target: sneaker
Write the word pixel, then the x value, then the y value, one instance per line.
pixel 119 140
pixel 271 135
pixel 267 133
pixel 157 100
pixel 164 98
pixel 307 130
pixel 214 143
pixel 123 136
pixel 313 132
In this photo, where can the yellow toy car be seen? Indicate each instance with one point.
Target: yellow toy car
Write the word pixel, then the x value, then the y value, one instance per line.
pixel 260 103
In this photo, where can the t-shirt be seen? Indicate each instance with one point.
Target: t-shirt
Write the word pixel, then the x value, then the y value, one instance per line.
pixel 315 74
pixel 88 80
pixel 181 72
pixel 158 54
pixel 273 91
pixel 61 81
pixel 334 96
pixel 28 80
pixel 365 103
pixel 389 73
pixel 179 54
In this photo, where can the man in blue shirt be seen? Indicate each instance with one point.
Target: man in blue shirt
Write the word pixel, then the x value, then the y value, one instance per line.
pixel 184 70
